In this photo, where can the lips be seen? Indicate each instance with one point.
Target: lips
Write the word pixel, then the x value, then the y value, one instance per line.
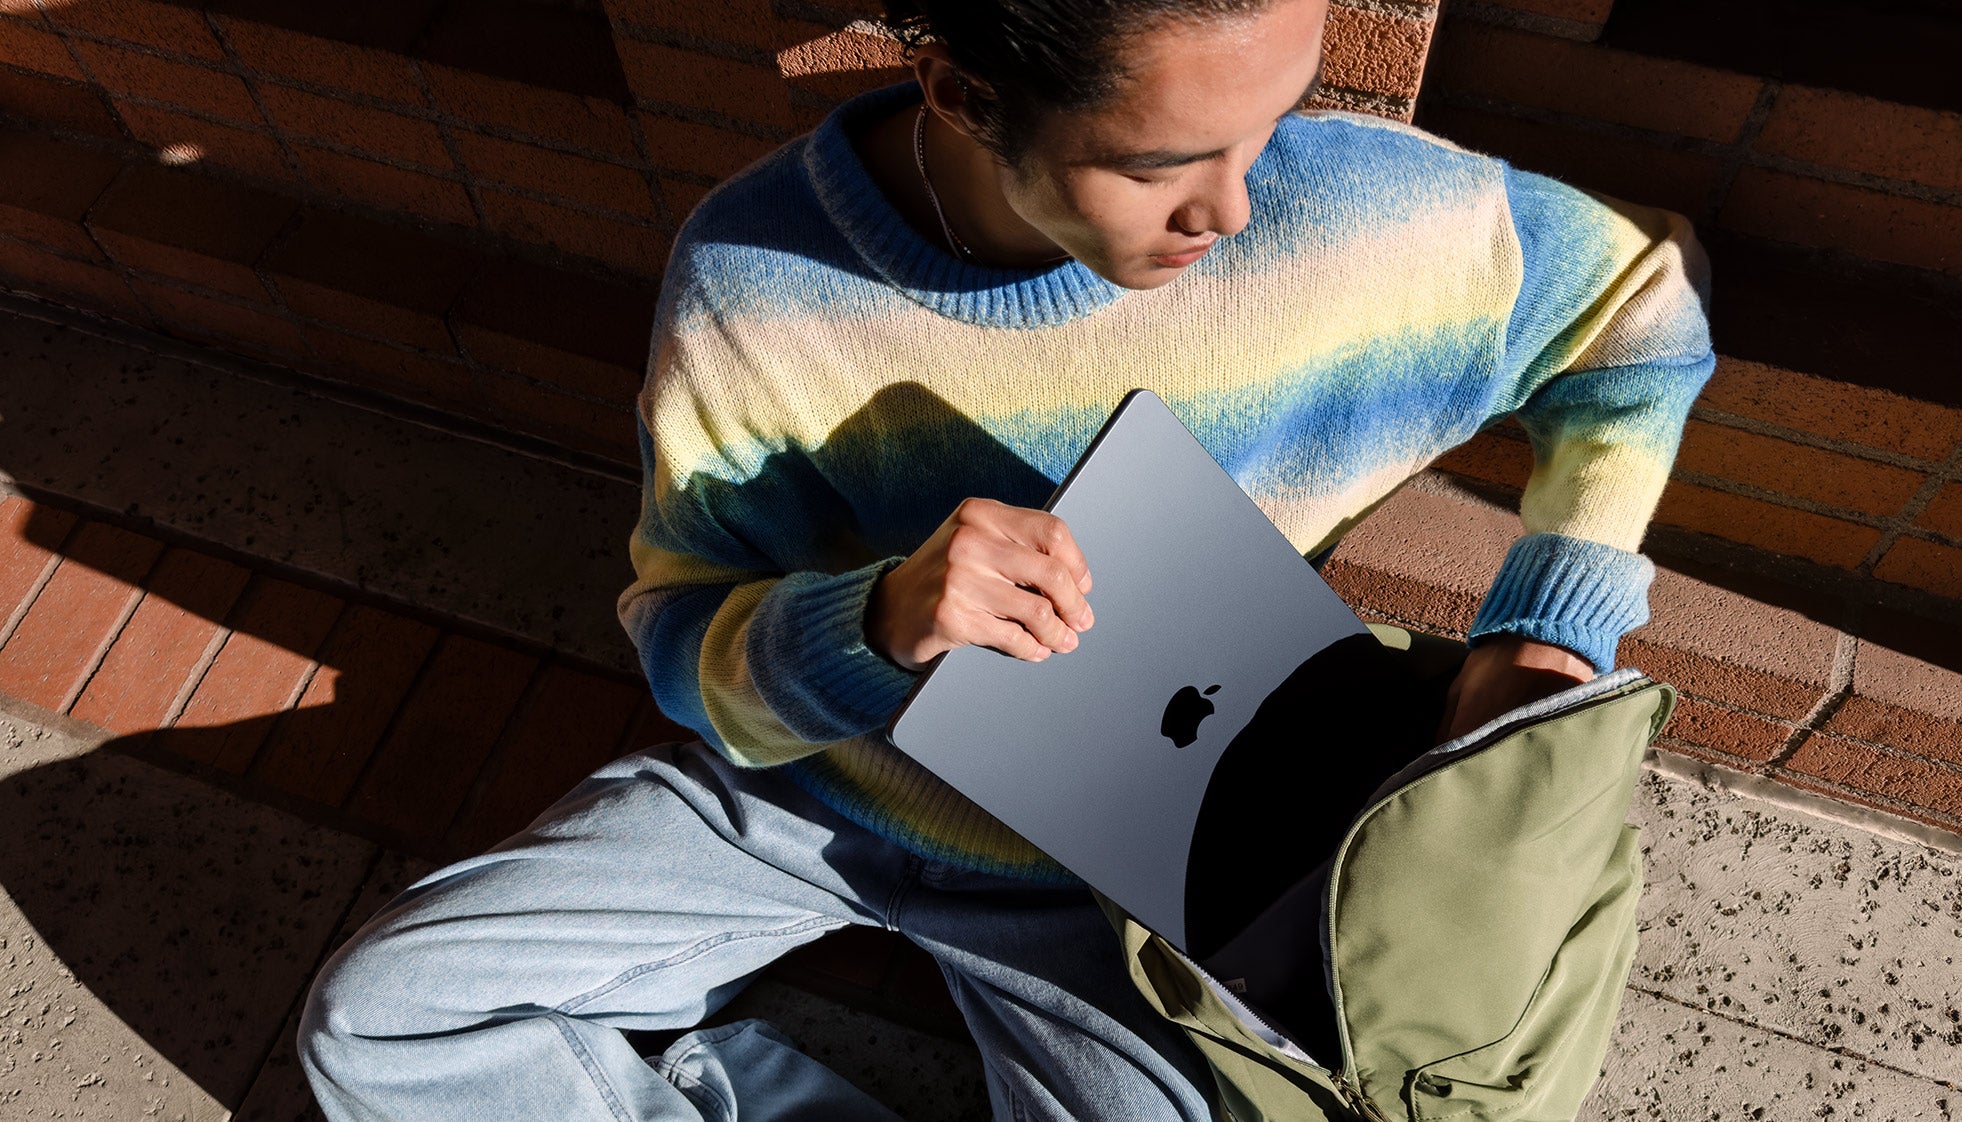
pixel 1182 258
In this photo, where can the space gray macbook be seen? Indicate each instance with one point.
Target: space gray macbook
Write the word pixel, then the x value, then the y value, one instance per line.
pixel 1102 756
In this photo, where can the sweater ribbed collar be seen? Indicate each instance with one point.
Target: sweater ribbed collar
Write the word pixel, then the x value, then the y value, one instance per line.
pixel 925 272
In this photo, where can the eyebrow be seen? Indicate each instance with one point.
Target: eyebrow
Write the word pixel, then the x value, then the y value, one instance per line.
pixel 1160 159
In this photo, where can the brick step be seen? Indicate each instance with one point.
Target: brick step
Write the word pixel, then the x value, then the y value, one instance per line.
pixel 1898 52
pixel 434 317
pixel 1833 217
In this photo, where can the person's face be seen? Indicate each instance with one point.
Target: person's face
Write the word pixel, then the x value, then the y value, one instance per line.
pixel 1139 187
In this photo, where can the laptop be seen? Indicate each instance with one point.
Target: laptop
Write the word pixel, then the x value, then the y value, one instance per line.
pixel 1102 757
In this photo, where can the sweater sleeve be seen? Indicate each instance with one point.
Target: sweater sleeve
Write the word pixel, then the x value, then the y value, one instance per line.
pixel 763 656
pixel 1607 344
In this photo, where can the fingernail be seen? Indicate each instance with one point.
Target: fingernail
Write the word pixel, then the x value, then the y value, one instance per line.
pixel 1069 641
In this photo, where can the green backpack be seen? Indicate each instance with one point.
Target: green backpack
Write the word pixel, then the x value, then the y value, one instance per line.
pixel 1475 930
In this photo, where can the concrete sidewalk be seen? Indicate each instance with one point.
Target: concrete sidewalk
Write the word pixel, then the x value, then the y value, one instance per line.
pixel 168 894
pixel 156 937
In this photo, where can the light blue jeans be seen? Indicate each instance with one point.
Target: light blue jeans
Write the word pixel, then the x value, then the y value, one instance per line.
pixel 498 988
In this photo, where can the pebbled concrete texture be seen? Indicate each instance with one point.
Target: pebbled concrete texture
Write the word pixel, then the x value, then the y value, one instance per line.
pixel 1809 929
pixel 154 930
pixel 412 513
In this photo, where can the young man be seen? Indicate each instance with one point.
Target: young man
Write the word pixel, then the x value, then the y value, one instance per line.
pixel 877 351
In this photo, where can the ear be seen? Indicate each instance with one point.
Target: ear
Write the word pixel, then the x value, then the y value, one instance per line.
pixel 950 91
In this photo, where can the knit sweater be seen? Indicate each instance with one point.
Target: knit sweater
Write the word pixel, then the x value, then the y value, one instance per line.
pixel 826 386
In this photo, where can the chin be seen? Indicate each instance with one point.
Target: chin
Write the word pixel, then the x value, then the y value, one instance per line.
pixel 1138 275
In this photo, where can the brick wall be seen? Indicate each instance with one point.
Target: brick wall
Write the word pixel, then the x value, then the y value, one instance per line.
pixel 460 206
pixel 1821 157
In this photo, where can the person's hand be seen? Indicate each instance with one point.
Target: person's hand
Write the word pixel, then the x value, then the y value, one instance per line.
pixel 1503 673
pixel 992 575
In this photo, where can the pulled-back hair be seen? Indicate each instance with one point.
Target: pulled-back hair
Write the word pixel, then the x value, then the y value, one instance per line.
pixel 1036 57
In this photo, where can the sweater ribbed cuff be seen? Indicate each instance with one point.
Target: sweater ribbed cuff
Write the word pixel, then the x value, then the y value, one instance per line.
pixel 1574 593
pixel 811 627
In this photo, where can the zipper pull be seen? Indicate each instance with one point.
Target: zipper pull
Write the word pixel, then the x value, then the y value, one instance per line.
pixel 1360 1101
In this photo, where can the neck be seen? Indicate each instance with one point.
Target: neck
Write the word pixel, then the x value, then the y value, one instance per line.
pixel 967 180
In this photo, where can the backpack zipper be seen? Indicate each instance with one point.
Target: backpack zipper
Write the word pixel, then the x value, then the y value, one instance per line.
pixel 1584 696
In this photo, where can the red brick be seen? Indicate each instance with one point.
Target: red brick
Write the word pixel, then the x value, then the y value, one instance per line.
pixel 589 123
pixel 1731 731
pixel 556 173
pixel 149 667
pixel 335 121
pixel 23 11
pixel 47 186
pixel 604 430
pixel 184 140
pixel 396 370
pixel 230 326
pixel 1910 730
pixel 1796 469
pixel 57 644
pixel 1925 565
pixel 54 101
pixel 257 675
pixel 1944 514
pixel 1650 93
pixel 1870 417
pixel 1794 533
pixel 35 270
pixel 30 545
pixel 1598 160
pixel 1793 208
pixel 1670 744
pixel 1912 781
pixel 367 668
pixel 700 81
pixel 160 79
pixel 324 62
pixel 439 743
pixel 554 367
pixel 190 226
pixel 750 23
pixel 569 727
pixel 1381 595
pixel 365 181
pixel 681 198
pixel 1580 11
pixel 1374 52
pixel 636 247
pixel 177 28
pixel 1490 456
pixel 701 149
pixel 34 48
pixel 1743 687
pixel 831 66
pixel 564 311
pixel 1885 138
pixel 373 277
pixel 1881 803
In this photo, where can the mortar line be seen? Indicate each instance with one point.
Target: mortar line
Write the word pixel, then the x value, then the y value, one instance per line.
pixel 1940 477
pixel 1845 653
pixel 139 592
pixel 249 78
pixel 1786 1034
pixel 1840 445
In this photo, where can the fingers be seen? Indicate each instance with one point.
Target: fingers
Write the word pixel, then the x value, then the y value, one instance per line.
pixel 1035 614
pixel 1049 535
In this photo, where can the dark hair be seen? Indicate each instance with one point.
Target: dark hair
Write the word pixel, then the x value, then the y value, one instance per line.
pixel 1033 57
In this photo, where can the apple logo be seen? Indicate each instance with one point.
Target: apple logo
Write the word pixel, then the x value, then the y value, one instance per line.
pixel 1183 714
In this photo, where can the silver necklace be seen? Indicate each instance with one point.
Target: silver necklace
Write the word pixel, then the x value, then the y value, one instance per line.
pixel 919 161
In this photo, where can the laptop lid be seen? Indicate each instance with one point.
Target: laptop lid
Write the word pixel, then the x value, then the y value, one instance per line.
pixel 1101 757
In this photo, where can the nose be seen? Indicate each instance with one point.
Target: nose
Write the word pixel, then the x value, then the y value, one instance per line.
pixel 1219 203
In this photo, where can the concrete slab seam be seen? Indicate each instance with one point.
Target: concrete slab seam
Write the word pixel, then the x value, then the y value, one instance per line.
pixel 1774 1030
pixel 1764 789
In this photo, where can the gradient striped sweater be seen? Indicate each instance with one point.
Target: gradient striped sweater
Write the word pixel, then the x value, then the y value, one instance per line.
pixel 826 385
